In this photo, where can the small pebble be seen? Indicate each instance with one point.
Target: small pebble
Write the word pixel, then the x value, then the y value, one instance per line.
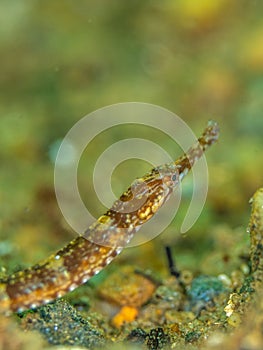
pixel 157 339
pixel 234 320
pixel 205 288
pixel 127 288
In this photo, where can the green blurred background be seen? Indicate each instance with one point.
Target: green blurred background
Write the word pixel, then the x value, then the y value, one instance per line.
pixel 61 60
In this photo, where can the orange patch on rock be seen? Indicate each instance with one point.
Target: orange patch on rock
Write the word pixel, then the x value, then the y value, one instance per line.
pixel 127 314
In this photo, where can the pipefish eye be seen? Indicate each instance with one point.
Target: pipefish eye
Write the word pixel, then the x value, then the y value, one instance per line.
pixel 175 177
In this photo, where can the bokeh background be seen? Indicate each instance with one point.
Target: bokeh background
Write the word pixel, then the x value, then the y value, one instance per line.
pixel 61 60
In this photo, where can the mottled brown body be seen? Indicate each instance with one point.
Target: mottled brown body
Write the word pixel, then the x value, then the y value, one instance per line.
pixel 86 255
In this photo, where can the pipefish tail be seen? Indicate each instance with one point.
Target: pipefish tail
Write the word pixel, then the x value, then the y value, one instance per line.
pixel 84 257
